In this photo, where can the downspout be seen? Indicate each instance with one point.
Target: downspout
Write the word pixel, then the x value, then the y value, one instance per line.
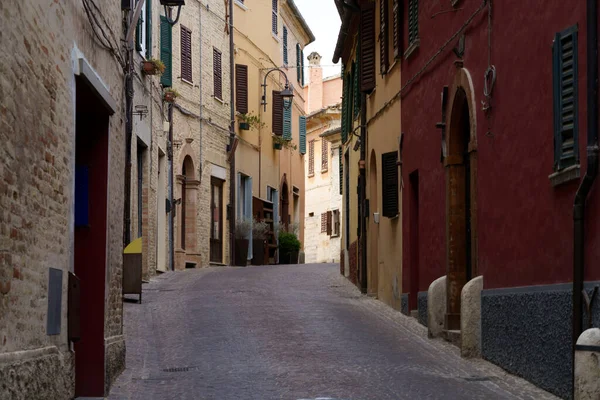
pixel 171 205
pixel 128 136
pixel 200 87
pixel 232 179
pixel 363 192
pixel 591 172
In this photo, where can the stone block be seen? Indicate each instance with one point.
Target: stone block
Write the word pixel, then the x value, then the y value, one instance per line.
pixel 587 367
pixel 470 318
pixel 436 307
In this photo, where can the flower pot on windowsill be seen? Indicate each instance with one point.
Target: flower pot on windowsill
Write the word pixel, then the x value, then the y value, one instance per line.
pixel 169 97
pixel 152 67
pixel 244 126
pixel 277 146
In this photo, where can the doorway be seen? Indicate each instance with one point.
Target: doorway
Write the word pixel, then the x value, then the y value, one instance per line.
pixel 373 253
pixel 413 204
pixel 91 183
pixel 285 204
pixel 459 193
pixel 216 220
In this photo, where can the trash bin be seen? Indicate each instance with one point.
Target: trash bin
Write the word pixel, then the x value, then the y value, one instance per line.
pixel 132 268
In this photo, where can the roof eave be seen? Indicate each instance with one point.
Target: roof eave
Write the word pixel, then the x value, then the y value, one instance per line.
pixel 305 26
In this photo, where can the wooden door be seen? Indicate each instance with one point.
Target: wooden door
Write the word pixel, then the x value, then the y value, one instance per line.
pixel 216 220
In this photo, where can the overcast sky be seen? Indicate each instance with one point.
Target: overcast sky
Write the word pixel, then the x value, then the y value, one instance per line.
pixel 324 22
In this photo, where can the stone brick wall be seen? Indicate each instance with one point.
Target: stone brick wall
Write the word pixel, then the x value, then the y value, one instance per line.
pixel 37 115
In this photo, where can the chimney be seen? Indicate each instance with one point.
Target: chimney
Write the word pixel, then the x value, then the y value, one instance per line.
pixel 315 84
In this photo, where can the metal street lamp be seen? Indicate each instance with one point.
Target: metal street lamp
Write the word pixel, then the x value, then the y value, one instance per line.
pixel 170 4
pixel 287 93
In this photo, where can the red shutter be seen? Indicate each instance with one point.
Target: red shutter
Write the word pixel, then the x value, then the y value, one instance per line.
pixel 367 46
pixel 277 113
pixel 217 72
pixel 241 88
pixel 383 37
pixel 186 54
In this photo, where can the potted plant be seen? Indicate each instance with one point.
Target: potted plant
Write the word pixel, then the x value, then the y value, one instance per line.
pixel 170 94
pixel 260 233
pixel 243 227
pixel 250 121
pixel 289 247
pixel 280 142
pixel 153 67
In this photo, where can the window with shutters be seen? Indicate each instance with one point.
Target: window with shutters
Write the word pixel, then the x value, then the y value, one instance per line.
pixel 241 88
pixel 397 8
pixel 186 54
pixel 389 190
pixel 217 75
pixel 324 222
pixel 324 155
pixel 166 54
pixel 413 27
pixel 367 46
pixel 341 170
pixel 383 37
pixel 335 223
pixel 345 107
pixel 311 158
pixel 302 129
pixel 356 76
pixel 274 16
pixel 287 121
pixel 302 66
pixel 143 31
pixel 566 146
pixel 298 64
pixel 277 123
pixel 285 48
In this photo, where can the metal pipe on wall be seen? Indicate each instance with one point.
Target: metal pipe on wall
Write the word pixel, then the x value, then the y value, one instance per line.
pixel 171 205
pixel 232 179
pixel 363 192
pixel 590 175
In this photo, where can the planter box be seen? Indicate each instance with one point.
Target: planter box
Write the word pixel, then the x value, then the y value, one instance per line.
pixel 241 252
pixel 277 146
pixel 289 258
pixel 258 255
pixel 244 126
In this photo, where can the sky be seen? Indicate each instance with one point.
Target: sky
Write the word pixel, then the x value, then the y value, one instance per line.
pixel 324 22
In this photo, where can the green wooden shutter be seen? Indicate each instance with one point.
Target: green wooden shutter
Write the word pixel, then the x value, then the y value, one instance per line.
pixel 302 65
pixel 356 74
pixel 298 65
pixel 148 29
pixel 302 134
pixel 287 121
pixel 345 110
pixel 138 33
pixel 166 52
pixel 367 46
pixel 566 143
pixel 389 187
pixel 285 37
pixel 341 169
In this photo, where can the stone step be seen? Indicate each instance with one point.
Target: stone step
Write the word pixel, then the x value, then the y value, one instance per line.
pixel 452 336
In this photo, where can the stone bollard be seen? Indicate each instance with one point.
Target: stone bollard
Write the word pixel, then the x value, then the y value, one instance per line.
pixel 470 318
pixel 436 307
pixel 587 367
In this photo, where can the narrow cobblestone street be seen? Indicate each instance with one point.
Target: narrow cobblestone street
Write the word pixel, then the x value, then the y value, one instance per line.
pixel 289 332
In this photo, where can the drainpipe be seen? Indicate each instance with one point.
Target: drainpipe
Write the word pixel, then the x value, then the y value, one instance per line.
pixel 232 179
pixel 363 192
pixel 591 172
pixel 200 87
pixel 172 206
pixel 128 136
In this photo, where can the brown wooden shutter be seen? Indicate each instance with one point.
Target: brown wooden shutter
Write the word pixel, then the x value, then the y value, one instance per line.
pixel 398 40
pixel 324 155
pixel 311 157
pixel 323 222
pixel 328 223
pixel 367 46
pixel 186 54
pixel 389 190
pixel 383 37
pixel 277 113
pixel 217 72
pixel 241 88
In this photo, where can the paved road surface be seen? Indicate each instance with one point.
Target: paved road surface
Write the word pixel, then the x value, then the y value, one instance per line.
pixel 289 332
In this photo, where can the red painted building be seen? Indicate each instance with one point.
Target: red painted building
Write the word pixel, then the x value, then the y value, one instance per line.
pixel 490 179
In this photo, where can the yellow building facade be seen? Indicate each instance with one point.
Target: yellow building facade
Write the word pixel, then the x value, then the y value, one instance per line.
pixel 270 35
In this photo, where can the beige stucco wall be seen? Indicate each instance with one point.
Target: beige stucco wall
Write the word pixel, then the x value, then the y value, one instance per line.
pixel 42 42
pixel 332 90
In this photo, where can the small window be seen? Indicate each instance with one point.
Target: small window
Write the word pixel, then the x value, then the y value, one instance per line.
pixel 311 214
pixel 324 155
pixel 336 223
pixel 566 145
pixel 311 158
pixel 274 17
pixel 218 75
pixel 186 54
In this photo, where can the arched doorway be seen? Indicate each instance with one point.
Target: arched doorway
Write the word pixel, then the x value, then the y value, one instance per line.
pixel 187 172
pixel 460 200
pixel 373 251
pixel 186 246
pixel 285 204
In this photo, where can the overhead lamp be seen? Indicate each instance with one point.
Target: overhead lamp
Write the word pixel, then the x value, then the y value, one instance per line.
pixel 287 93
pixel 170 4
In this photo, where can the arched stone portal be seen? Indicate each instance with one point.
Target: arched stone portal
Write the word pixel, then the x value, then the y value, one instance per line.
pixel 461 173
pixel 187 242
